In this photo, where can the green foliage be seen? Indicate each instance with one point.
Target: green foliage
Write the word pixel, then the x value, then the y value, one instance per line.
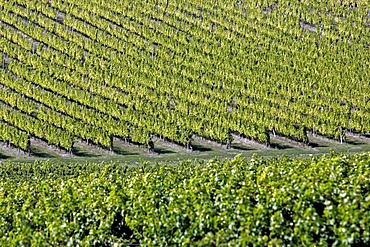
pixel 257 202
pixel 174 69
pixel 14 136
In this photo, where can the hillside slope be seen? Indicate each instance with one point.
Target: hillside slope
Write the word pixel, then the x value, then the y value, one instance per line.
pixel 99 70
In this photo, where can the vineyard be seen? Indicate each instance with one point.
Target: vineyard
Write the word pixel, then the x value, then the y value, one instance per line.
pixel 140 71
pixel 258 202
pixel 157 83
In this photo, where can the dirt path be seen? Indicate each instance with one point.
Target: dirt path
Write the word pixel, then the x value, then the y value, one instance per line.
pixel 43 150
pixel 361 138
pixel 249 143
pixel 202 149
pixel 7 152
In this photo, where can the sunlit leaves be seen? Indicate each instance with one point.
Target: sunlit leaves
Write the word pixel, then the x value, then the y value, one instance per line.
pixel 315 201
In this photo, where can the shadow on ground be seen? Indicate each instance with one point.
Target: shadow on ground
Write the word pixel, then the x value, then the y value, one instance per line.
pixel 279 146
pixel 41 154
pixel 120 151
pixel 317 145
pixel 241 147
pixel 200 148
pixel 163 151
pixel 354 142
pixel 3 156
pixel 83 153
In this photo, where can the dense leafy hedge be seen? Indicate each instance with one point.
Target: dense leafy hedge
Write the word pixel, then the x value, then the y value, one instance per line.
pixel 284 201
